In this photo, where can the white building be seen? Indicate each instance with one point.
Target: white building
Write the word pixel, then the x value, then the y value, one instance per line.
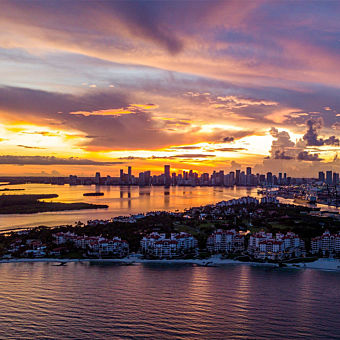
pixel 94 245
pixel 326 243
pixel 225 241
pixel 264 246
pixel 269 199
pixel 160 246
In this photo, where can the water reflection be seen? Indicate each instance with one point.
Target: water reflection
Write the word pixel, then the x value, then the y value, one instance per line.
pixel 166 302
pixel 122 200
pixel 166 195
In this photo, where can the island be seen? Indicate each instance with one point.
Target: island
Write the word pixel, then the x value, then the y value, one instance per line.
pixel 30 204
pixel 93 194
pixel 244 230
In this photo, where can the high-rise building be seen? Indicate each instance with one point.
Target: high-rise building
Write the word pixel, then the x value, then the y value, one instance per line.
pixel 97 178
pixel 321 176
pixel 232 177
pixel 269 178
pixel 167 178
pixel 262 179
pixel 329 177
pixel 237 179
pixel 248 170
pixel 335 178
pixel 73 180
pixel 129 175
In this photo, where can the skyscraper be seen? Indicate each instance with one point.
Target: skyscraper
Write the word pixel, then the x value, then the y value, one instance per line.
pixel 237 180
pixel 129 175
pixel 97 178
pixel 321 176
pixel 269 178
pixel 329 177
pixel 167 178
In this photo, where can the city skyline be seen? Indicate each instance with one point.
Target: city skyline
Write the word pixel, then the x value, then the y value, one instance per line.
pixel 197 85
pixel 169 178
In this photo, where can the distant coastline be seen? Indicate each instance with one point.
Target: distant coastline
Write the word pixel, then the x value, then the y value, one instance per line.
pixel 31 204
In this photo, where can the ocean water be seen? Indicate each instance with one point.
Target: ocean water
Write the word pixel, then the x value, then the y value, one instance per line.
pixel 84 301
pixel 121 201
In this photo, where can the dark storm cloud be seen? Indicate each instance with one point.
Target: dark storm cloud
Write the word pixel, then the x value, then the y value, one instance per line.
pixel 281 155
pixel 311 136
pixel 51 104
pixel 306 156
pixel 103 23
pixel 144 19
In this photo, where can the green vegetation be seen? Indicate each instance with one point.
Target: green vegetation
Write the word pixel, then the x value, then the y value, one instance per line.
pixel 269 217
pixel 30 204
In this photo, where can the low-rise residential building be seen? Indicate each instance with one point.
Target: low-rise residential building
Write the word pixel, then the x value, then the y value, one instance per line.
pixel 326 243
pixel 263 245
pixel 159 245
pixel 225 241
pixel 269 199
pixel 94 245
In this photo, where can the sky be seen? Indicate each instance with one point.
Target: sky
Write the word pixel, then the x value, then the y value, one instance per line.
pixel 205 85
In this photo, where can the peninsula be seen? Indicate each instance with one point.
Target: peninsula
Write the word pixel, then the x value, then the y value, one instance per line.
pixel 241 230
pixel 30 204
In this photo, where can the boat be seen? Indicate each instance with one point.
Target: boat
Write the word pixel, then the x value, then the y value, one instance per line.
pixel 93 194
pixel 305 199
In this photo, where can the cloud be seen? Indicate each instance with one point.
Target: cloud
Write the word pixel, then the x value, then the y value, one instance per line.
pixel 281 155
pixel 235 165
pixel 284 148
pixel 282 145
pixel 192 155
pixel 237 66
pixel 305 156
pixel 336 126
pixel 186 147
pixel 229 149
pixel 31 147
pixel 50 160
pixel 130 158
pixel 311 136
pixel 135 129
pixel 183 156
pixel 141 21
pixel 53 105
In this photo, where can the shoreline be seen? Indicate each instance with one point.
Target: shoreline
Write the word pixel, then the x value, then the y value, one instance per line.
pixel 320 264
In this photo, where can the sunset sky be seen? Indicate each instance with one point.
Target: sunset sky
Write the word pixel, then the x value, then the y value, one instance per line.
pixel 202 85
